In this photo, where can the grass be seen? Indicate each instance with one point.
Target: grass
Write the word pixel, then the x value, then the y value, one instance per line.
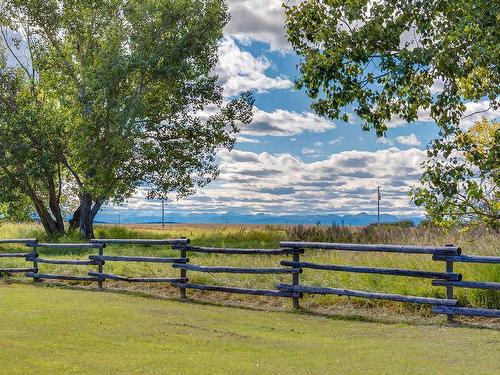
pixel 61 331
pixel 269 237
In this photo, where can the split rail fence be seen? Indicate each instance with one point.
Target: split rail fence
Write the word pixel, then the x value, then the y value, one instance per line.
pixel 448 279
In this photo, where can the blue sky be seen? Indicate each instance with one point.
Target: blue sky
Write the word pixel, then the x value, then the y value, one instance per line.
pixel 290 161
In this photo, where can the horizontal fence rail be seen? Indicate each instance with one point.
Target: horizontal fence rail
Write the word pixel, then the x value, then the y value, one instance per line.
pixel 17 240
pixel 468 284
pixel 375 270
pixel 137 279
pixel 448 279
pixel 254 292
pixel 38 276
pixel 74 262
pixel 34 257
pixel 182 259
pixel 175 241
pixel 122 258
pixel 468 259
pixel 16 270
pixel 404 249
pixel 68 246
pixel 15 255
pixel 450 260
pixel 371 295
pixel 220 250
pixel 488 313
pixel 193 267
pixel 237 270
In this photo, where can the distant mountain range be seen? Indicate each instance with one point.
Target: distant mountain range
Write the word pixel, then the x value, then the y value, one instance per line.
pixel 234 218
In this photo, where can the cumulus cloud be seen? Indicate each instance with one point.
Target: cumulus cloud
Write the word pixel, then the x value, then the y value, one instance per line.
pixel 336 141
pixel 282 183
pixel 239 70
pixel 258 20
pixel 408 140
pixel 311 151
pixel 385 141
pixel 241 139
pixel 281 122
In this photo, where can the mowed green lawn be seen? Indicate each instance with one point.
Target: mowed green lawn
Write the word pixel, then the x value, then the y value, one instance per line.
pixel 61 331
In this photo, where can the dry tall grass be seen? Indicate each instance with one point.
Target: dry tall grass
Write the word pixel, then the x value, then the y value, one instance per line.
pixel 472 242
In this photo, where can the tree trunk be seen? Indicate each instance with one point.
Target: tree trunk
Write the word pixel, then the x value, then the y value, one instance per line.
pixel 74 222
pixel 55 208
pixel 52 227
pixel 87 214
pixel 86 220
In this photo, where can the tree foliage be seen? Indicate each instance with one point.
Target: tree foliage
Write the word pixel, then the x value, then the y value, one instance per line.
pixel 405 59
pixel 396 58
pixel 123 95
pixel 464 187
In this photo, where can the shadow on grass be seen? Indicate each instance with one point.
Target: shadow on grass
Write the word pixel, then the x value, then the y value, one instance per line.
pixel 340 315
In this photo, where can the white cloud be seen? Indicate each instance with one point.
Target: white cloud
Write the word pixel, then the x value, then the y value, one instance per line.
pixel 258 20
pixel 285 123
pixel 241 139
pixel 336 141
pixel 345 182
pixel 475 111
pixel 385 141
pixel 240 71
pixel 408 140
pixel 311 151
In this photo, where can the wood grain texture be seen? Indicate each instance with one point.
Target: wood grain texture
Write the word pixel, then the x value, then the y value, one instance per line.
pixel 194 267
pixel 468 284
pixel 226 289
pixel 375 270
pixel 120 258
pixel 362 294
pixel 469 311
pixel 405 249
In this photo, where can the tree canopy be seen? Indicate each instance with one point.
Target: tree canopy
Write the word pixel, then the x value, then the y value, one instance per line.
pixel 408 60
pixel 113 95
pixel 464 187
pixel 396 58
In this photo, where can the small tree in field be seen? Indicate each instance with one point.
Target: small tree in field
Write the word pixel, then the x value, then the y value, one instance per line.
pixel 116 92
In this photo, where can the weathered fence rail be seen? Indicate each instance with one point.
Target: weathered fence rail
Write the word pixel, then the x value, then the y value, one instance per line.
pixel 448 279
pixel 306 289
pixel 16 241
pixel 142 242
pixel 237 270
pixel 449 261
pixel 34 257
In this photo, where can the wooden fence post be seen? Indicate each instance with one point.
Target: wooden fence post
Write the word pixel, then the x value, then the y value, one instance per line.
pixel 449 289
pixel 295 277
pixel 100 268
pixel 35 263
pixel 183 273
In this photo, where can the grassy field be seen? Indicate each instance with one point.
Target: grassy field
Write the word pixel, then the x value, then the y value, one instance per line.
pixel 61 331
pixel 269 237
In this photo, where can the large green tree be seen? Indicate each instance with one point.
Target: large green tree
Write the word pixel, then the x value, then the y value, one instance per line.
pixel 400 59
pixel 123 94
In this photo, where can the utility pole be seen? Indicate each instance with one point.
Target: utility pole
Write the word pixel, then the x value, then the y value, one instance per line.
pixel 163 214
pixel 378 205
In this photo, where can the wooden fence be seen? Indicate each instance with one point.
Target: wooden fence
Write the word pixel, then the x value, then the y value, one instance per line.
pixel 294 267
